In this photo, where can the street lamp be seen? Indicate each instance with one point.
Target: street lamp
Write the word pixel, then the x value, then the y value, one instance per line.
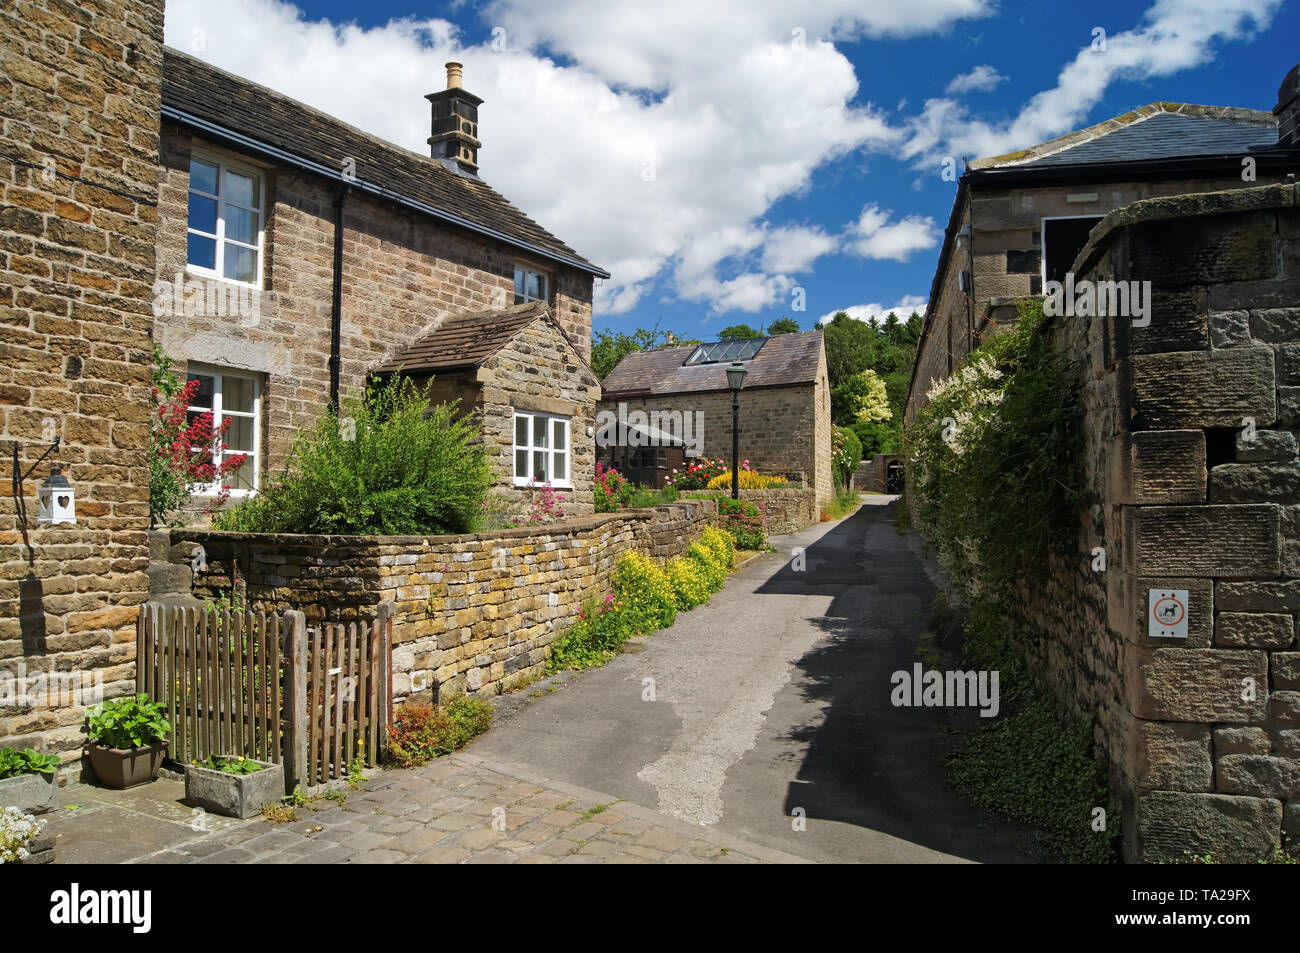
pixel 735 380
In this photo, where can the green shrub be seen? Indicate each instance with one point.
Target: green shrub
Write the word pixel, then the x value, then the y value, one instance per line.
pixel 1006 427
pixel 646 597
pixel 846 454
pixel 422 732
pixel 690 583
pixel 721 543
pixel 388 464
pixel 644 592
pixel 745 521
pixel 470 716
pixel 707 563
pixel 14 762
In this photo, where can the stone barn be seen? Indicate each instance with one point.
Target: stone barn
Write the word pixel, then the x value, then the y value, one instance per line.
pixel 785 407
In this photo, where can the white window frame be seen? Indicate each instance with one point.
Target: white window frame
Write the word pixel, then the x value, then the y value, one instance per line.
pixel 225 165
pixel 1042 238
pixel 544 278
pixel 219 374
pixel 550 451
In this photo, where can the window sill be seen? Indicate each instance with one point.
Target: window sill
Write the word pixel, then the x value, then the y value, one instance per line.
pixel 197 271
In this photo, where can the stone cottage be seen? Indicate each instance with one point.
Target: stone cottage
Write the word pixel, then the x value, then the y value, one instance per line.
pixel 525 382
pixel 297 255
pixel 785 408
pixel 1018 220
pixel 277 254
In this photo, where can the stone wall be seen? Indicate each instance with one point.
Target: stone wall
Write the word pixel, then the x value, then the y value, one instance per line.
pixel 81 95
pixel 402 275
pixel 787 511
pixel 1191 455
pixel 783 430
pixel 474 613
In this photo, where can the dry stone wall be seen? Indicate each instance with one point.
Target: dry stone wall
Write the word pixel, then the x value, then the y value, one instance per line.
pixel 474 613
pixel 1191 457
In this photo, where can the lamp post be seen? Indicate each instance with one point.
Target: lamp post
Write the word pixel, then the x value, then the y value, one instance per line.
pixel 735 380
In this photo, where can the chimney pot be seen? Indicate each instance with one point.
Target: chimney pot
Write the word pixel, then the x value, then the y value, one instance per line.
pixel 454 128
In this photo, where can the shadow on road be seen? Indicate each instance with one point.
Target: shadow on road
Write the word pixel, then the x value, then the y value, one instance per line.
pixel 869 763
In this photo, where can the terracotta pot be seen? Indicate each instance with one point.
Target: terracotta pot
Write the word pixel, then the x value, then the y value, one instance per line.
pixel 123 768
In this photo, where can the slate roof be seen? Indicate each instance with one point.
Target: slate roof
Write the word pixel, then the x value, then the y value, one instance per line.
pixel 465 340
pixel 201 91
pixel 785 360
pixel 1156 131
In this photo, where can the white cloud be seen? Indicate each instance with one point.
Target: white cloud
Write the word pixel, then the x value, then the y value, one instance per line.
pixel 981 79
pixel 1172 36
pixel 792 249
pixel 874 236
pixel 865 312
pixel 588 97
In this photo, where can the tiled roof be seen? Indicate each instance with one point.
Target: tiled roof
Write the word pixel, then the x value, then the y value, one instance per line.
pixel 233 103
pixel 465 340
pixel 784 360
pixel 1154 131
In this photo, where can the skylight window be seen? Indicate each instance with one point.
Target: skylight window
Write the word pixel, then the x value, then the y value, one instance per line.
pixel 726 351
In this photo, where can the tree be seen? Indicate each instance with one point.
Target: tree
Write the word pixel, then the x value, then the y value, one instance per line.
pixel 861 398
pixel 739 332
pixel 783 326
pixel 607 348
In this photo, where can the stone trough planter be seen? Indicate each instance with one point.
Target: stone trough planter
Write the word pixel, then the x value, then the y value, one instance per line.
pixel 234 795
pixel 31 793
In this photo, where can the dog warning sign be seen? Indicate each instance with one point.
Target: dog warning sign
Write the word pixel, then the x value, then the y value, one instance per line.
pixel 1167 613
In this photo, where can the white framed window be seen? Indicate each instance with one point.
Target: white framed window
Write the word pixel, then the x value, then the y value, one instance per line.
pixel 225 226
pixel 541 449
pixel 229 395
pixel 531 285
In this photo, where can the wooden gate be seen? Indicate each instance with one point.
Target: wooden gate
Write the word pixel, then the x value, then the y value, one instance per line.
pixel 263 685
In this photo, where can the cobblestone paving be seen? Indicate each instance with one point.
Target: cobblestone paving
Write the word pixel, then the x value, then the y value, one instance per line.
pixel 453 811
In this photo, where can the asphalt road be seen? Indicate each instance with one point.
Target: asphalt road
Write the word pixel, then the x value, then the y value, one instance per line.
pixel 767 713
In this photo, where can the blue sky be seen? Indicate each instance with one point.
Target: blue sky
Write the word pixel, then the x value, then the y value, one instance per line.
pixel 721 157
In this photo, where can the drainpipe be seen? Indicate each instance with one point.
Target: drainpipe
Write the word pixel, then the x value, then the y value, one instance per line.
pixel 336 311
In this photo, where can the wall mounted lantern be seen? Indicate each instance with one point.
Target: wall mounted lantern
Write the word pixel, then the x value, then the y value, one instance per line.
pixel 57 501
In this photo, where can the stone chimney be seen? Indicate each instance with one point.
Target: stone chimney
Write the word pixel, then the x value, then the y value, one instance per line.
pixel 1287 110
pixel 455 124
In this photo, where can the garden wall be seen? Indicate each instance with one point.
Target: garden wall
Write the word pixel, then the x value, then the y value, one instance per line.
pixel 788 511
pixel 474 613
pixel 1191 458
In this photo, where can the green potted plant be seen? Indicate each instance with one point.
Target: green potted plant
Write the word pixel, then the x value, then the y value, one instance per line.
pixel 233 786
pixel 29 780
pixel 127 740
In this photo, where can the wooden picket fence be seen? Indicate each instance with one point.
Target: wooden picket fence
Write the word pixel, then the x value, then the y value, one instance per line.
pixel 265 686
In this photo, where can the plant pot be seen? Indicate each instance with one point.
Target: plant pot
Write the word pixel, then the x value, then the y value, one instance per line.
pixel 234 795
pixel 124 768
pixel 35 793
